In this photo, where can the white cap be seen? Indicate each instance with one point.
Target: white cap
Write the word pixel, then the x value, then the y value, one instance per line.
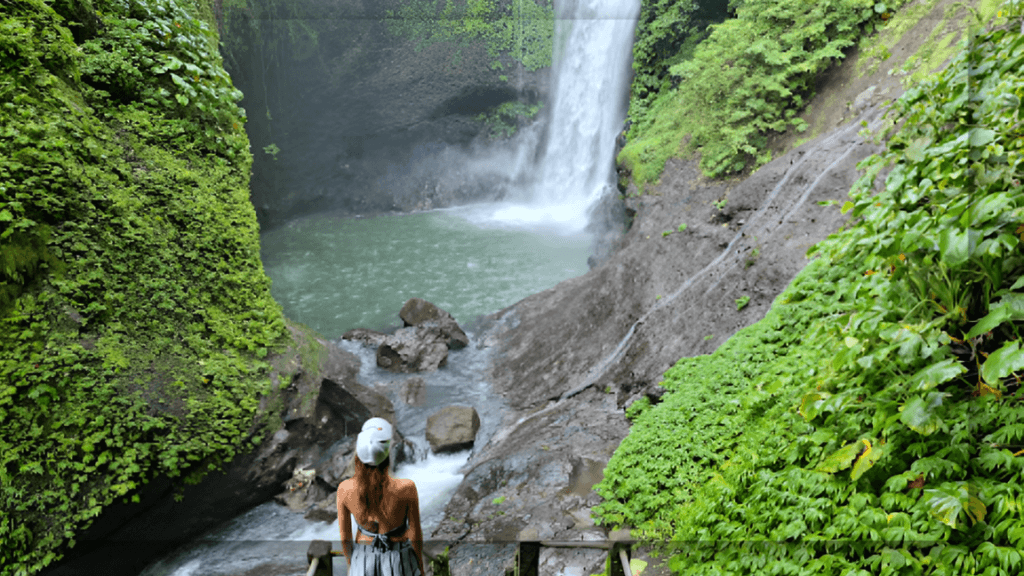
pixel 374 443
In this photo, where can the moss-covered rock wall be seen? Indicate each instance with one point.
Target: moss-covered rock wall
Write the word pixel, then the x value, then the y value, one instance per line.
pixel 135 317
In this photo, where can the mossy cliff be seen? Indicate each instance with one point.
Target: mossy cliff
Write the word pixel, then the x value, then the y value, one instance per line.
pixel 870 423
pixel 135 317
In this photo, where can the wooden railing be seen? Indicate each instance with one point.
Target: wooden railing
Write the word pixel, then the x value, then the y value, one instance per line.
pixel 320 556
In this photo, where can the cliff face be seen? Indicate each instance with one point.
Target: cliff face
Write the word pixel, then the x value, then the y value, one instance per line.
pixel 355 106
pixel 703 259
pixel 136 318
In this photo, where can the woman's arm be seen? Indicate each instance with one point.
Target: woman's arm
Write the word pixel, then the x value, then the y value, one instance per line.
pixel 345 524
pixel 415 531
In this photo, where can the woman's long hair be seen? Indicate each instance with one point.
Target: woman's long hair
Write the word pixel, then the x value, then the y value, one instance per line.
pixel 372 482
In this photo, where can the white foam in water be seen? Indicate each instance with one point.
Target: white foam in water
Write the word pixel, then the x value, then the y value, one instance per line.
pixel 566 219
pixel 188 569
pixel 591 75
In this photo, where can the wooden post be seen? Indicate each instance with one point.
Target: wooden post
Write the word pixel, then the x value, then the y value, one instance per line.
pixel 528 559
pixel 319 557
pixel 618 557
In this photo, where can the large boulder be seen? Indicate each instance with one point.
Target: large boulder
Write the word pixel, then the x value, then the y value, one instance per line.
pixel 452 429
pixel 419 312
pixel 413 349
pixel 303 490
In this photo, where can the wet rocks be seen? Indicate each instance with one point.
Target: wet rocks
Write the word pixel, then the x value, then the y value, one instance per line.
pixel 452 429
pixel 366 336
pixel 422 345
pixel 416 349
pixel 419 312
pixel 325 510
pixel 303 490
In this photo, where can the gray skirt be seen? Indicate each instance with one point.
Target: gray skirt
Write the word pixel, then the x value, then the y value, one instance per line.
pixel 399 560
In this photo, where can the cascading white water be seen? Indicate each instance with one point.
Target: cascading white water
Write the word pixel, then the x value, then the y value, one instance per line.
pixel 589 95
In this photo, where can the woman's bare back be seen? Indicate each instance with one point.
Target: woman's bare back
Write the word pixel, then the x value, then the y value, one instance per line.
pixel 393 510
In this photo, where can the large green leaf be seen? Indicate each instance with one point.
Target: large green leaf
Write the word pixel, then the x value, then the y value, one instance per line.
pixel 954 246
pixel 980 136
pixel 1009 307
pixel 840 459
pixel 919 413
pixel 810 404
pixel 915 152
pixel 1002 362
pixel 949 499
pixel 934 374
pixel 868 458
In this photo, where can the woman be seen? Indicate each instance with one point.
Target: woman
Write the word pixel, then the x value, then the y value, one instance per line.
pixel 389 541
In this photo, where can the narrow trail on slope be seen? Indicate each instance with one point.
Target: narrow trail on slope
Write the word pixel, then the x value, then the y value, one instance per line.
pixel 785 198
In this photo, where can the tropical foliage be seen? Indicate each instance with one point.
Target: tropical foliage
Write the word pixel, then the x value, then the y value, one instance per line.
pixel 134 312
pixel 750 78
pixel 520 29
pixel 872 422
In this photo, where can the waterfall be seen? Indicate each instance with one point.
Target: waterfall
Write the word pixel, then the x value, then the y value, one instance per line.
pixel 591 75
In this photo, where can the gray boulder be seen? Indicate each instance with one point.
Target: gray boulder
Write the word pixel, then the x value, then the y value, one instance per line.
pixel 419 312
pixel 452 429
pixel 303 490
pixel 366 336
pixel 324 511
pixel 414 349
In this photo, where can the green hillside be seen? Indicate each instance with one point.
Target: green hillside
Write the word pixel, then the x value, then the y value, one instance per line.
pixel 135 318
pixel 873 421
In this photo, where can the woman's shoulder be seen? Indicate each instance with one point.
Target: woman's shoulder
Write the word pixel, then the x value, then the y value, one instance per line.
pixel 404 486
pixel 346 486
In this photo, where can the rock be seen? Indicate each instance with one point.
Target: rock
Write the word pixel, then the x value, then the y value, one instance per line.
pixel 419 312
pixel 366 336
pixel 325 510
pixel 303 490
pixel 338 467
pixel 414 349
pixel 452 429
pixel 413 391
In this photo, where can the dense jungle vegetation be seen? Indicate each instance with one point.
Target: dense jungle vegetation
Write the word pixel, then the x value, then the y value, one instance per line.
pixel 873 421
pixel 722 90
pixel 135 317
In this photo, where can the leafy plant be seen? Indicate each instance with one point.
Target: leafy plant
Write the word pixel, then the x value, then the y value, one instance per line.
pixel 522 30
pixel 506 118
pixel 135 320
pixel 745 81
pixel 742 302
pixel 879 432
